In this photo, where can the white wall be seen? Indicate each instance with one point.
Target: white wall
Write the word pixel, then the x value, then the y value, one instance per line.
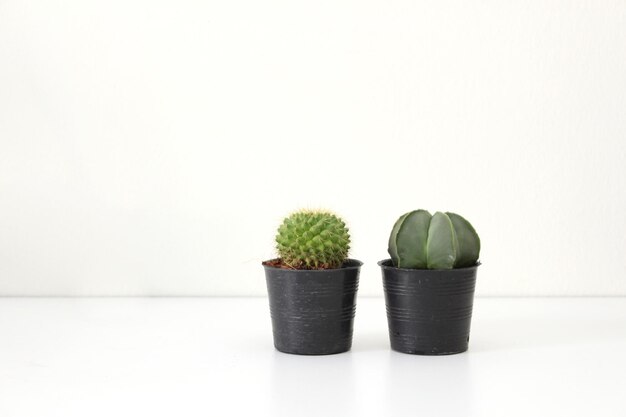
pixel 153 147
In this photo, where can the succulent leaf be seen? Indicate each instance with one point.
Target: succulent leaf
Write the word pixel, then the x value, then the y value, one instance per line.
pixel 468 241
pixel 393 246
pixel 441 241
pixel 441 245
pixel 407 243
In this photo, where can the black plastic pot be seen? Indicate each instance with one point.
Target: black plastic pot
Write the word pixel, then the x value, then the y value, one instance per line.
pixel 429 311
pixel 313 310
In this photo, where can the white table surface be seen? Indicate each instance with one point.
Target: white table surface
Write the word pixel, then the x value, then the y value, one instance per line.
pixel 214 357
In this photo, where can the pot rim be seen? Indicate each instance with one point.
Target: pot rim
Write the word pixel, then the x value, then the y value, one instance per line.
pixel 388 260
pixel 349 263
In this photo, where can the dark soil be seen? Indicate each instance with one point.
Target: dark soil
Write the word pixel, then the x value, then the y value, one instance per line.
pixel 278 263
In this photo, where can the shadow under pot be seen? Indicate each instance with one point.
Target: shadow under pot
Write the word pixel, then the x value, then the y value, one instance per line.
pixel 429 311
pixel 313 310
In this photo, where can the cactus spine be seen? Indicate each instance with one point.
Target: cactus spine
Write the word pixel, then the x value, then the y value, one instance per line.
pixel 313 240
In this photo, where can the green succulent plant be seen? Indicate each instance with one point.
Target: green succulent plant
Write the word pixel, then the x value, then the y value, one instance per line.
pixel 420 240
pixel 310 239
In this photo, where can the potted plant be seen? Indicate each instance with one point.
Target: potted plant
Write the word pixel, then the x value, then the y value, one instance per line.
pixel 429 282
pixel 312 285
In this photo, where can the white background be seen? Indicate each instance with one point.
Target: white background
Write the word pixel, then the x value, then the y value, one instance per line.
pixel 199 357
pixel 152 148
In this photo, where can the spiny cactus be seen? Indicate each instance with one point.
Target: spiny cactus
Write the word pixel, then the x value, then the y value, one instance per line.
pixel 441 241
pixel 313 240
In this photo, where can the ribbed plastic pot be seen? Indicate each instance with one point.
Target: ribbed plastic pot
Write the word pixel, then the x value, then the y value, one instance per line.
pixel 313 310
pixel 429 311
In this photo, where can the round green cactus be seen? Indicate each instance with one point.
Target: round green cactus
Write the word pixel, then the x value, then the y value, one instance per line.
pixel 441 241
pixel 313 240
